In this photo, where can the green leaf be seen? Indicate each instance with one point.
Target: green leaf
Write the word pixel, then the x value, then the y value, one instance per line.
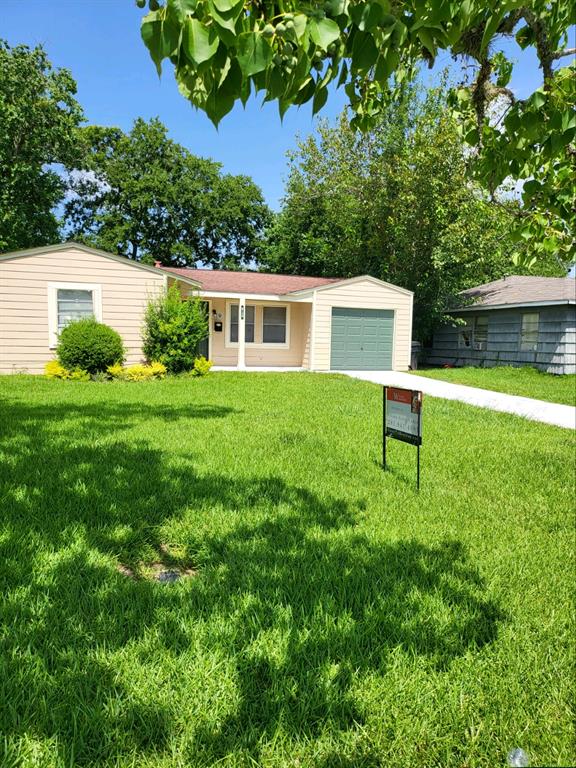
pixel 181 8
pixel 427 40
pixel 336 7
pixel 323 32
pixel 225 26
pixel 364 51
pixel 366 16
pixel 300 21
pixel 491 27
pixel 254 53
pixel 161 36
pixel 224 5
pixel 320 98
pixel 200 43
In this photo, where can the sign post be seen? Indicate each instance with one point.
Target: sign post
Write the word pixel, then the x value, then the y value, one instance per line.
pixel 402 420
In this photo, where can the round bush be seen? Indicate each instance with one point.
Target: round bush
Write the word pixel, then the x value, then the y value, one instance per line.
pixel 89 345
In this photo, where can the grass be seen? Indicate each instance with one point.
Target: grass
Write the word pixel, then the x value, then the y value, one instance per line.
pixel 334 617
pixel 526 382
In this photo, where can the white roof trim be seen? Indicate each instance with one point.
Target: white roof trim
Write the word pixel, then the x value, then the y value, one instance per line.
pixel 95 252
pixel 351 281
pixel 486 307
pixel 245 295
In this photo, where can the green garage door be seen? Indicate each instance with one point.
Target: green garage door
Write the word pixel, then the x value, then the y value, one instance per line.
pixel 361 339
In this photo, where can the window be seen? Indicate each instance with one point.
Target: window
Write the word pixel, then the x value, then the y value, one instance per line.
pixel 474 334
pixel 480 332
pixel 465 336
pixel 529 332
pixel 274 325
pixel 73 305
pixel 71 301
pixel 248 326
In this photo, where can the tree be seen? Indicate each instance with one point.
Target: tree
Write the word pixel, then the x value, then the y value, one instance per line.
pixel 223 50
pixel 395 202
pixel 38 119
pixel 146 197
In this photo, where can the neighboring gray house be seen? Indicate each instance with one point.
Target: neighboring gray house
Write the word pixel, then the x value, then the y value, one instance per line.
pixel 517 320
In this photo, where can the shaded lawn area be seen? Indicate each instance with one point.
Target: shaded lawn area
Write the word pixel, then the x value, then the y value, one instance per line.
pixel 337 618
pixel 526 382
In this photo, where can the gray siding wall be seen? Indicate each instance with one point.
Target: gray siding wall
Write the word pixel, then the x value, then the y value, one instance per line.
pixel 555 353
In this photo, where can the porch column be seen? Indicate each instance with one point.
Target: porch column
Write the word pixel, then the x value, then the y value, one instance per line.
pixel 242 333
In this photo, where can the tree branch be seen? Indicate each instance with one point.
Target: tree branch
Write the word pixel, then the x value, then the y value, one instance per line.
pixel 565 52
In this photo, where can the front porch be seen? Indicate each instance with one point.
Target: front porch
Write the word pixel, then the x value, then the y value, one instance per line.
pixel 264 333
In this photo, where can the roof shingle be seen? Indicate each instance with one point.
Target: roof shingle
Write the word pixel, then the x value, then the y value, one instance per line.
pixel 522 289
pixel 223 281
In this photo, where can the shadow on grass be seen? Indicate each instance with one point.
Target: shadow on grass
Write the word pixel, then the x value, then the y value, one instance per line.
pixel 300 604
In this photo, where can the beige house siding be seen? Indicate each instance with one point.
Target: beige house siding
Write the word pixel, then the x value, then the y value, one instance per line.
pixel 363 294
pixel 24 322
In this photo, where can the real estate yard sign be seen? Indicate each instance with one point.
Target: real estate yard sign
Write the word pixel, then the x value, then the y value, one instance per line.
pixel 402 420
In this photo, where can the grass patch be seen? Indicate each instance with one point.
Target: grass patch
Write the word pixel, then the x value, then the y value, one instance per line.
pixel 526 382
pixel 335 618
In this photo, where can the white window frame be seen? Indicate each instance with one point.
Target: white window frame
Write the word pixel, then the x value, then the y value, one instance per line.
pixel 53 289
pixel 524 346
pixel 275 344
pixel 258 326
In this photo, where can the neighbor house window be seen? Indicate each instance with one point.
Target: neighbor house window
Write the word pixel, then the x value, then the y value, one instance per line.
pixel 71 301
pixel 274 325
pixel 248 325
pixel 529 332
pixel 465 336
pixel 480 332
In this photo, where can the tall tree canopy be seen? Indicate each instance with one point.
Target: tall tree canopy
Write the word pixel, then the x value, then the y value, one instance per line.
pixel 145 196
pixel 223 50
pixel 395 202
pixel 38 119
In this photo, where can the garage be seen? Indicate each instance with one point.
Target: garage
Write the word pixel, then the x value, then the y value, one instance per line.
pixel 361 339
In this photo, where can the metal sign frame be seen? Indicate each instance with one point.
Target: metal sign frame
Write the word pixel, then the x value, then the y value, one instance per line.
pixel 405 437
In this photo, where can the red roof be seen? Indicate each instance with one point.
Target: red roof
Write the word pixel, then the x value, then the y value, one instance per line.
pixel 249 282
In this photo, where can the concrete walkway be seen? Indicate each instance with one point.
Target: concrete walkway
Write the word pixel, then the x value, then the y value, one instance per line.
pixel 536 410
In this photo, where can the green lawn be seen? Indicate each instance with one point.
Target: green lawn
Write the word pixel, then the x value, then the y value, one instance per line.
pixel 336 618
pixel 526 382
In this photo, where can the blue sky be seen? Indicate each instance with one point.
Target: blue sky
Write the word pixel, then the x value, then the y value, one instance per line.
pixel 99 41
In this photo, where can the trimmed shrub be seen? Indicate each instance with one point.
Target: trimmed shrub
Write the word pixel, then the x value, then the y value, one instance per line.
pixel 116 371
pixel 90 346
pixel 201 366
pixel 138 372
pixel 53 370
pixel 79 375
pixel 173 329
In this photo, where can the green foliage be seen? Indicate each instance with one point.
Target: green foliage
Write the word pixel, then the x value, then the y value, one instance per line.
pixel 54 370
pixel 137 372
pixel 173 329
pixel 291 53
pixel 38 119
pixel 335 619
pixel 90 346
pixel 396 203
pixel 524 381
pixel 147 197
pixel 201 366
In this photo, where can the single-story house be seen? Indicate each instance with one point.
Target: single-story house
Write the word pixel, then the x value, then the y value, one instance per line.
pixel 256 319
pixel 518 320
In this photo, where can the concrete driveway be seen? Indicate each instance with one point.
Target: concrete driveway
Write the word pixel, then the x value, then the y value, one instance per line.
pixel 536 410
